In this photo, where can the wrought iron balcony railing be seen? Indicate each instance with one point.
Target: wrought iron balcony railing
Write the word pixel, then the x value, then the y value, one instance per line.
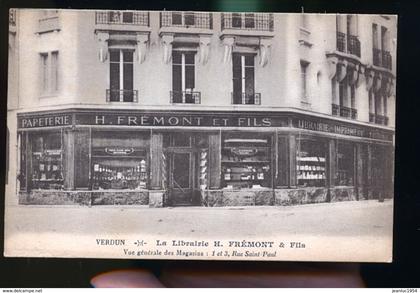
pixel 122 17
pixel 239 98
pixel 12 17
pixel 353 113
pixel 335 109
pixel 202 20
pixel 353 45
pixel 345 111
pixel 377 56
pixel 341 42
pixel 372 117
pixel 248 21
pixel 121 95
pixel 387 60
pixel 185 97
pixel 379 119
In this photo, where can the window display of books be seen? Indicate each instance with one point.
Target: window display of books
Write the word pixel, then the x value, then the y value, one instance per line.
pixel 311 171
pixel 47 171
pixel 246 163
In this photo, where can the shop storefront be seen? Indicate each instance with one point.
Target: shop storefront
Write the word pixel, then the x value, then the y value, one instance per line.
pixel 198 158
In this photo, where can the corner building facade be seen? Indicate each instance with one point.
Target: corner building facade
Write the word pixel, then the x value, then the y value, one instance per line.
pixel 206 109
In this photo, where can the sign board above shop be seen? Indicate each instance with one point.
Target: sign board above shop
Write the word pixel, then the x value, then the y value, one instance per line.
pixel 201 119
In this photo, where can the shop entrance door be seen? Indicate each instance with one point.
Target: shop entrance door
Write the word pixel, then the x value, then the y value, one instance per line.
pixel 182 178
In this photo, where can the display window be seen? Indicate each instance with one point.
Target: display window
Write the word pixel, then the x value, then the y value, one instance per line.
pixel 311 163
pixel 345 165
pixel 47 158
pixel 246 160
pixel 119 161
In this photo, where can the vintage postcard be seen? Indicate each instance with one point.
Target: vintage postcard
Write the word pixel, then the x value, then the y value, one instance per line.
pixel 200 135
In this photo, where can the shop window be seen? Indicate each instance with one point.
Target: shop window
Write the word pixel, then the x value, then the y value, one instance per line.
pixel 311 163
pixel 47 157
pixel 183 78
pixel 345 165
pixel 244 79
pixel 121 76
pixel 49 73
pixel 246 161
pixel 119 161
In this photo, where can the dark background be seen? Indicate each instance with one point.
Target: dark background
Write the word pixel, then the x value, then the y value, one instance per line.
pixel 403 272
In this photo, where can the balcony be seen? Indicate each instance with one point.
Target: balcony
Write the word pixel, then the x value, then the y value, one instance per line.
pixel 121 95
pixel 377 57
pixel 335 109
pixel 248 21
pixel 371 118
pixel 198 20
pixel 12 17
pixel 341 42
pixel 353 45
pixel 380 119
pixel 185 97
pixel 246 98
pixel 122 17
pixel 346 112
pixel 353 113
pixel 386 60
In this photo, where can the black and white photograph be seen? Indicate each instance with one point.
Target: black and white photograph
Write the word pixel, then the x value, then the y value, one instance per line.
pixel 200 135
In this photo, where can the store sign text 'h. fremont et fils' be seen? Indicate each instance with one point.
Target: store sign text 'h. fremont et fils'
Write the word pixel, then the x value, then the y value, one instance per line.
pixel 28 121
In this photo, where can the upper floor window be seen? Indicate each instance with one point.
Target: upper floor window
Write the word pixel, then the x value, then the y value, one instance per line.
pixel 347 34
pixel 304 80
pixel 344 97
pixel 380 47
pixel 183 78
pixel 121 76
pixel 49 73
pixel 244 79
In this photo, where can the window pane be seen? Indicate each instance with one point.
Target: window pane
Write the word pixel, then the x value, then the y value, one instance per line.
pixel 128 17
pixel 128 56
pixel 46 161
pixel 177 18
pixel 236 20
pixel 176 78
pixel 44 72
pixel 189 58
pixel 54 71
pixel 181 170
pixel 181 140
pixel 114 55
pixel 311 163
pixel 189 18
pixel 176 57
pixel 114 76
pixel 249 84
pixel 128 82
pixel 249 60
pixel 345 165
pixel 237 78
pixel 189 77
pixel 249 20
